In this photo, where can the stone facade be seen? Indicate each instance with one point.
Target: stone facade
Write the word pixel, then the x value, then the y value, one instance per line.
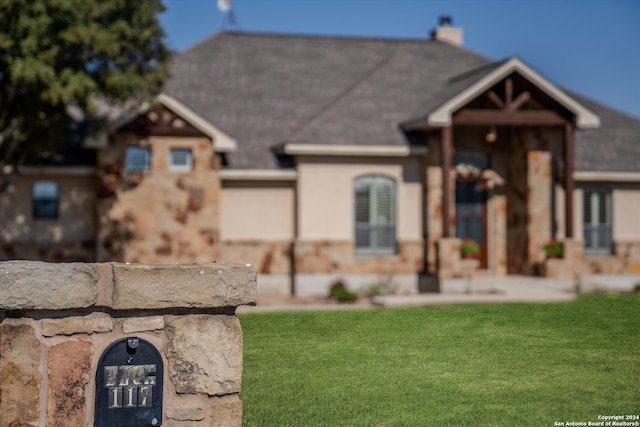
pixel 158 216
pixel 58 319
pixel 268 257
pixel 336 257
pixel 625 261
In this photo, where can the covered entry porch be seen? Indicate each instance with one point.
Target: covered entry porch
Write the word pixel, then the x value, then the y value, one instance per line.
pixel 499 176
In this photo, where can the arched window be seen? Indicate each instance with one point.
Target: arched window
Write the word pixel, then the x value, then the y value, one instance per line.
pixel 375 215
pixel 45 200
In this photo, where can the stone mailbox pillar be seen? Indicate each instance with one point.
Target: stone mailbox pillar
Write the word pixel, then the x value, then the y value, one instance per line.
pixel 57 321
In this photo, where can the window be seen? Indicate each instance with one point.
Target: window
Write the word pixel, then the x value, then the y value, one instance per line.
pixel 375 216
pixel 45 200
pixel 597 222
pixel 181 160
pixel 138 159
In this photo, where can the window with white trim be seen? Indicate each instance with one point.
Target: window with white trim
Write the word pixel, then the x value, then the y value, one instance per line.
pixel 45 198
pixel 138 159
pixel 375 215
pixel 597 220
pixel 180 160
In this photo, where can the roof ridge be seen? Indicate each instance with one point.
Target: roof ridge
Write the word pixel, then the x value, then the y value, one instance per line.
pixel 263 34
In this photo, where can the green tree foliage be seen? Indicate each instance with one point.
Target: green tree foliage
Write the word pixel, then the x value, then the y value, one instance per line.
pixel 60 53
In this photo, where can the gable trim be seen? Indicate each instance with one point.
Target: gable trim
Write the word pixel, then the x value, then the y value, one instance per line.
pixel 222 142
pixel 441 117
pixel 353 150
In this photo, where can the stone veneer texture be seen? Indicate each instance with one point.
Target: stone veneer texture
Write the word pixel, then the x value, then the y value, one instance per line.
pixel 57 320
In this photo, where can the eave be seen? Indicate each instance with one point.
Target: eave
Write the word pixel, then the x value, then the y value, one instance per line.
pixel 59 170
pixel 258 175
pixel 353 150
pixel 598 176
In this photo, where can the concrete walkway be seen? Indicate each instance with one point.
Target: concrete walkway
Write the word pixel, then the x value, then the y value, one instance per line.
pixel 514 289
pixel 488 290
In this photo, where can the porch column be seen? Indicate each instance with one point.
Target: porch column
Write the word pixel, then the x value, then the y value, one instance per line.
pixel 445 159
pixel 568 179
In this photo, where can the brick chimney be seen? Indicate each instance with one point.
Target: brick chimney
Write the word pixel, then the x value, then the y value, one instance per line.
pixel 446 33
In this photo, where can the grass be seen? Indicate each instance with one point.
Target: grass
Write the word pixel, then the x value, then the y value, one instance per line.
pixel 485 365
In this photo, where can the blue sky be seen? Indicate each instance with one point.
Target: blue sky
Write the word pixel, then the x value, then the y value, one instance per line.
pixel 589 46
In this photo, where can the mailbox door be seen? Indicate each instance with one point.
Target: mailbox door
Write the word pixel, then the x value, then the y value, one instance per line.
pixel 129 384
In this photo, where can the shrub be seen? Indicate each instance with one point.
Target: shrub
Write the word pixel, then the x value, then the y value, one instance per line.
pixel 383 286
pixel 340 293
pixel 553 249
pixel 469 249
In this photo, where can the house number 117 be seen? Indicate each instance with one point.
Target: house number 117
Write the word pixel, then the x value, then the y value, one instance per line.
pixel 130 386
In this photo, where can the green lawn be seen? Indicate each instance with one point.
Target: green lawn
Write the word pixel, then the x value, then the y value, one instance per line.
pixel 484 365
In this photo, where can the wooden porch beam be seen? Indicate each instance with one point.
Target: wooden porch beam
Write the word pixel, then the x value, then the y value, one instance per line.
pixel 471 116
pixel 495 99
pixel 508 91
pixel 446 150
pixel 519 101
pixel 568 179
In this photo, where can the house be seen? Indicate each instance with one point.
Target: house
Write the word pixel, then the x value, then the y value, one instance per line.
pixel 359 159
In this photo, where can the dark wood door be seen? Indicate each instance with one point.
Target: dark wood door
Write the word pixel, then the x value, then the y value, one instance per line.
pixel 471 214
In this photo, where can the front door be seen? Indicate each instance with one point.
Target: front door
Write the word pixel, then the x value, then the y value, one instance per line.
pixel 471 214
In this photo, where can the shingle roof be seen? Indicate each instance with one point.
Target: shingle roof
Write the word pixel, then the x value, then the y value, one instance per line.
pixel 265 90
pixel 614 146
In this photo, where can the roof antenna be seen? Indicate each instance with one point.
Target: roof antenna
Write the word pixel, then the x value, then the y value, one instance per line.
pixel 229 21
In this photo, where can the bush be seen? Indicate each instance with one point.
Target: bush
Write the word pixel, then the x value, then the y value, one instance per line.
pixel 340 293
pixel 553 249
pixel 469 249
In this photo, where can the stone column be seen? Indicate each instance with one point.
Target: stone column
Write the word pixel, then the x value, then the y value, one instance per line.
pixel 433 211
pixel 538 204
pixel 449 263
pixel 58 319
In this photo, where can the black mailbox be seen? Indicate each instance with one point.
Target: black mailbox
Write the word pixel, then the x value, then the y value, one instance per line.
pixel 129 385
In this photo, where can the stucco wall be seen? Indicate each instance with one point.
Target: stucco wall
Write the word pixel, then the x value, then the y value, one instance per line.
pixel 70 237
pixel 325 196
pixel 257 211
pixel 76 213
pixel 626 206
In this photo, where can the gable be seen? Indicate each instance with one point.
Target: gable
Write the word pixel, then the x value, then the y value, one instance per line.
pixel 473 86
pixel 172 118
pixel 160 121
